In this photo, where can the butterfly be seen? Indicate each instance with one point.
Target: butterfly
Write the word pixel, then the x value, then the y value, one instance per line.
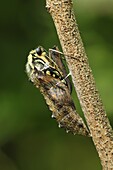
pixel 48 73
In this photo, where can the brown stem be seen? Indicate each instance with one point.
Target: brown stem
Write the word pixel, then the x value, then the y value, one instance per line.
pixel 98 123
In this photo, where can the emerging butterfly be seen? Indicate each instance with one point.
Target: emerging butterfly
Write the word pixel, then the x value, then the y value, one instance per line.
pixel 48 73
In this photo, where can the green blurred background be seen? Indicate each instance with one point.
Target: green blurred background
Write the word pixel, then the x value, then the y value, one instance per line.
pixel 29 138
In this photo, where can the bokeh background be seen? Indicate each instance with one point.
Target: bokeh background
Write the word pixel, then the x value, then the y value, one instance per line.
pixel 29 138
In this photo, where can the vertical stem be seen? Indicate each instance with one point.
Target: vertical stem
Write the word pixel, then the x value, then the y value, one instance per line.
pixel 98 123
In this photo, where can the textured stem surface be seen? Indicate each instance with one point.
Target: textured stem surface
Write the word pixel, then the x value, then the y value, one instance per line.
pixel 67 29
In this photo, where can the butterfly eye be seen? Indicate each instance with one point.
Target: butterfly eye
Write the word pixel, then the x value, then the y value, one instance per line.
pixel 39 51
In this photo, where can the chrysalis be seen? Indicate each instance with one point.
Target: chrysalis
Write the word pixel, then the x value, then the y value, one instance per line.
pixel 48 73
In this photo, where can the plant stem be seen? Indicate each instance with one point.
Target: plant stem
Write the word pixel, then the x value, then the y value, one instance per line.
pixel 83 80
